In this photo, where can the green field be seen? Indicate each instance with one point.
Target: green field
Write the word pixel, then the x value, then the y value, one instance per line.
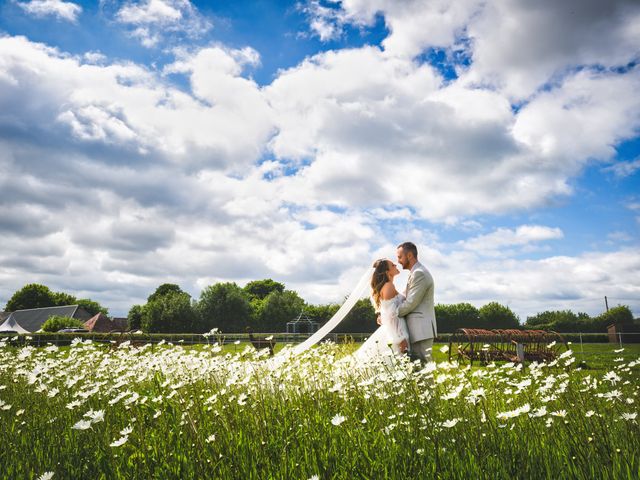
pixel 591 356
pixel 166 411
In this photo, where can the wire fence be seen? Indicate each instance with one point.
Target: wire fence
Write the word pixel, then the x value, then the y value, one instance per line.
pixel 577 340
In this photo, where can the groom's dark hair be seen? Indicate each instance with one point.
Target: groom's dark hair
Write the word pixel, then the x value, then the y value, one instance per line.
pixel 409 247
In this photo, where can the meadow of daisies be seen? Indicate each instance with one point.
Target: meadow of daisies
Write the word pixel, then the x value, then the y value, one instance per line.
pixel 166 411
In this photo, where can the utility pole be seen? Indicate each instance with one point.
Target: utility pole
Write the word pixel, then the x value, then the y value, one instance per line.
pixel 606 303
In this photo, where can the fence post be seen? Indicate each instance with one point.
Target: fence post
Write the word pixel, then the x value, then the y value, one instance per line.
pixel 581 345
pixel 620 338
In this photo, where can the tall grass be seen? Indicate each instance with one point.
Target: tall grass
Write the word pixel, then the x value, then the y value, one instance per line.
pixel 171 412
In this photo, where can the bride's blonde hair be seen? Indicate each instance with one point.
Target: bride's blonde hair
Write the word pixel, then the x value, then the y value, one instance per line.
pixel 378 279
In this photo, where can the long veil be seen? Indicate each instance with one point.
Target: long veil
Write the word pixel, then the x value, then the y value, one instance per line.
pixel 362 287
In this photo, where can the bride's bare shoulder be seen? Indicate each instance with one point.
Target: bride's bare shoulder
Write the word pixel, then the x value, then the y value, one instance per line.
pixel 388 291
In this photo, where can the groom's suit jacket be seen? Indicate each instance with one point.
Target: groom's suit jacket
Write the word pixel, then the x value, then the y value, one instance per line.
pixel 418 308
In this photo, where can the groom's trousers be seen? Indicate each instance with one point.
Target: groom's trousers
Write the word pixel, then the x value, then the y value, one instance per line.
pixel 422 349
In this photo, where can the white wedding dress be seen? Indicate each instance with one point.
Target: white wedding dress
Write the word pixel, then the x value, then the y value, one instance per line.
pixel 383 345
pixel 385 341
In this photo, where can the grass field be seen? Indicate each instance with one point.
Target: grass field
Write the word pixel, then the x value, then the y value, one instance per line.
pixel 167 411
pixel 590 356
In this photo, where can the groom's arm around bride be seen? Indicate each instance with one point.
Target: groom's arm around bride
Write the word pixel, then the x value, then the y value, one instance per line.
pixel 418 307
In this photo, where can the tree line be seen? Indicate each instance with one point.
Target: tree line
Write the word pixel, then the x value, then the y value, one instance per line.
pixel 267 306
pixel 568 321
pixel 35 295
pixel 261 305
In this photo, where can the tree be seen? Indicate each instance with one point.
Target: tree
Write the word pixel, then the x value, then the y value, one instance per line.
pixel 58 322
pixel 164 289
pixel 225 306
pixel 91 306
pixel 134 318
pixel 495 315
pixel 277 309
pixel 458 315
pixel 35 295
pixel 361 319
pixel 32 295
pixel 321 313
pixel 61 298
pixel 557 320
pixel 621 316
pixel 171 312
pixel 568 321
pixel 259 289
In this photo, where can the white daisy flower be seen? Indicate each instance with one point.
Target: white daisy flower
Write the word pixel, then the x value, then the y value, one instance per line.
pixel 338 419
pixel 450 423
pixel 82 425
pixel 121 441
pixel 95 416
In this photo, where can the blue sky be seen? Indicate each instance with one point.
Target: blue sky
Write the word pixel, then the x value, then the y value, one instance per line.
pixel 169 141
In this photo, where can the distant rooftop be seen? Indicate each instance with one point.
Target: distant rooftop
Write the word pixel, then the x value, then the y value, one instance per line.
pixel 32 319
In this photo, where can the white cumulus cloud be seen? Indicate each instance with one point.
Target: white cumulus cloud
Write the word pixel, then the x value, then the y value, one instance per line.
pixel 153 20
pixel 68 11
pixel 127 182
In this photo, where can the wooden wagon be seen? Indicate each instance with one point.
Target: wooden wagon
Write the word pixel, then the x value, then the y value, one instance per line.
pixel 470 344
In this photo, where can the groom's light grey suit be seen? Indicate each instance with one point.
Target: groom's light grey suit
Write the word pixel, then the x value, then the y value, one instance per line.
pixel 419 311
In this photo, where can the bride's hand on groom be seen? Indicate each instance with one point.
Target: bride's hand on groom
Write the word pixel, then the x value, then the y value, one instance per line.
pixel 378 320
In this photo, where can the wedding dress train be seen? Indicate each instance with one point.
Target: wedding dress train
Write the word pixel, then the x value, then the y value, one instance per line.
pixel 386 340
pixel 383 343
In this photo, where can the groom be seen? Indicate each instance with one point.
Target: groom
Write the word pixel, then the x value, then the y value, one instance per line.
pixel 418 307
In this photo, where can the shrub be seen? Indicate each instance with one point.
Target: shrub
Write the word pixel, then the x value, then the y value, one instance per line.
pixel 57 322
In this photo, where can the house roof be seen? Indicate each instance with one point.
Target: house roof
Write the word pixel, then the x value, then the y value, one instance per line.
pixel 121 323
pixel 32 319
pixel 101 323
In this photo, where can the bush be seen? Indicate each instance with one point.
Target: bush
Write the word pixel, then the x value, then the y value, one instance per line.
pixel 57 322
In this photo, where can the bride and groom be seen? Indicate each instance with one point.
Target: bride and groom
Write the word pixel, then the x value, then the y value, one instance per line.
pixel 407 321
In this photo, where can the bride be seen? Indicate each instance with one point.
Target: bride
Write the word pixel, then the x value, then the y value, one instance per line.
pixel 393 336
